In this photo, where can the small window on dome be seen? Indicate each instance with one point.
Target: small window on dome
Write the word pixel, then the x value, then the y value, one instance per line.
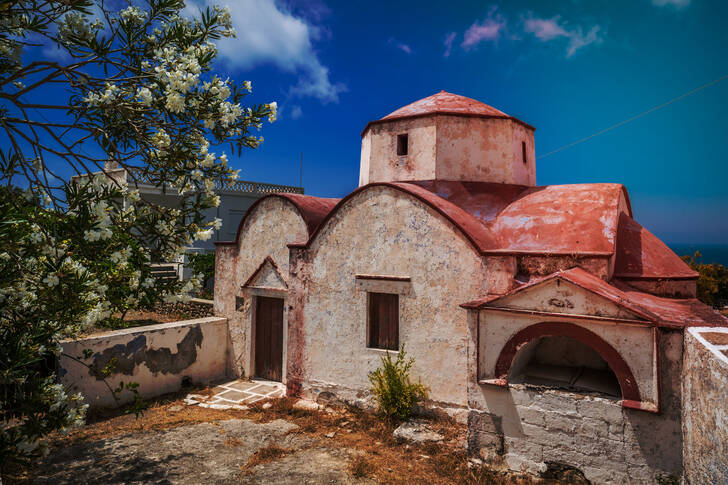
pixel 402 144
pixel 523 152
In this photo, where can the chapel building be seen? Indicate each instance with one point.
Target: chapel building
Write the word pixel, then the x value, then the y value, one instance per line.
pixel 546 317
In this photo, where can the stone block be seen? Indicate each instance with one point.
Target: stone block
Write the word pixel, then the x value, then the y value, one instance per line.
pixel 564 423
pixel 532 416
pixel 557 402
pixel 524 447
pixel 604 409
pixel 522 464
pixel 595 429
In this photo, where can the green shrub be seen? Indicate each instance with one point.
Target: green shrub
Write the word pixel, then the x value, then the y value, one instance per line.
pixel 203 264
pixel 396 394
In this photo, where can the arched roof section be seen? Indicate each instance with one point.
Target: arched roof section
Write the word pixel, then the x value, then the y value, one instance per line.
pixel 576 219
pixel 312 210
pixel 625 377
pixel 641 255
pixel 470 227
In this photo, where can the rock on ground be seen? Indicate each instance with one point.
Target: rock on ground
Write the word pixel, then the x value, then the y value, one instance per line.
pixel 416 431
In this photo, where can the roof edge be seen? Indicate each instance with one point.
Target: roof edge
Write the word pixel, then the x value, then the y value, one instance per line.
pixel 448 113
pixel 282 195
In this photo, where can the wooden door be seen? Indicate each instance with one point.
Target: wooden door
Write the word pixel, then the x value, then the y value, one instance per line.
pixel 269 338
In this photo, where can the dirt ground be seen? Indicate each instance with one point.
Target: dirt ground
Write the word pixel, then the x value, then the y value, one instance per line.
pixel 178 444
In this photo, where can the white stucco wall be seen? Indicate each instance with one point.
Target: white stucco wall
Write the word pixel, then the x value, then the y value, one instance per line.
pixel 382 231
pixel 267 231
pixel 705 408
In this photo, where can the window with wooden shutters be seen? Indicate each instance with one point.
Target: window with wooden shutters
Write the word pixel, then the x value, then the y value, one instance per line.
pixel 383 321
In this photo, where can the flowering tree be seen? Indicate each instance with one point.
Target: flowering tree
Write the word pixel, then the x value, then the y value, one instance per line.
pixel 135 90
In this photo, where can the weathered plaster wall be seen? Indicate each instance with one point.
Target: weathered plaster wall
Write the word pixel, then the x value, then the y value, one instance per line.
pixel 484 150
pixel 158 357
pixel 273 224
pixel 447 147
pixel 705 409
pixel 540 265
pixel 382 231
pixel 524 427
pixel 380 162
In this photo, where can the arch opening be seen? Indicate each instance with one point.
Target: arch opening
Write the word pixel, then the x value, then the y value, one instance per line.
pixel 564 363
pixel 630 392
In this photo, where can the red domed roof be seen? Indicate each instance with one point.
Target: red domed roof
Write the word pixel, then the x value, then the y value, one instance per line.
pixel 446 103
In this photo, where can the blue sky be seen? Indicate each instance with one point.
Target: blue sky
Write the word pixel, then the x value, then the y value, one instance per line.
pixel 570 68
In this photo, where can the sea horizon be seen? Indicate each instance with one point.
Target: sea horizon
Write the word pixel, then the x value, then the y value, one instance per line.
pixel 710 253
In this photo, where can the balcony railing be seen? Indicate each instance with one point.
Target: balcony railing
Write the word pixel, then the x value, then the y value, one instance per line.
pixel 141 177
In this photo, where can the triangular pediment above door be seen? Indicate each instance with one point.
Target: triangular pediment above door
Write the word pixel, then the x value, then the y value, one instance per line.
pixel 267 275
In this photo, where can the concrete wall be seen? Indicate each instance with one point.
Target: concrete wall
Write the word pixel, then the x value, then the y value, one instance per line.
pixel 267 230
pixel 158 357
pixel 525 427
pixel 705 412
pixel 382 231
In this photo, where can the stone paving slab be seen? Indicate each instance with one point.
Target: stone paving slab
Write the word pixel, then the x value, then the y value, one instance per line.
pixel 236 394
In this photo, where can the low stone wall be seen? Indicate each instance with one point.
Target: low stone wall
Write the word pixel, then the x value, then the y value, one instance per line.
pixel 705 412
pixel 158 357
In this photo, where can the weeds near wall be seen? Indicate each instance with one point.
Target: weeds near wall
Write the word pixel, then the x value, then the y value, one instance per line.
pixel 396 394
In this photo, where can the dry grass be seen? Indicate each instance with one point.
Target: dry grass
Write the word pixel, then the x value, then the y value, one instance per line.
pixel 360 467
pixel 266 454
pixel 380 456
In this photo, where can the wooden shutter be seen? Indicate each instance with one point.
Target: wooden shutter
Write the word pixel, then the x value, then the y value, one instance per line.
pixel 384 321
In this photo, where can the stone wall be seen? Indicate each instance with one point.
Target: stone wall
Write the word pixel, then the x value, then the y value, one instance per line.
pixel 528 428
pixel 705 412
pixel 158 357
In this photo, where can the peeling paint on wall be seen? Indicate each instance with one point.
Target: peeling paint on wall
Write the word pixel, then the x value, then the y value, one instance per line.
pixel 157 360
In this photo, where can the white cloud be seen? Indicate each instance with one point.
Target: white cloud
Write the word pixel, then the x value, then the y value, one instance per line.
pixel 490 29
pixel 296 112
pixel 403 47
pixel 449 38
pixel 671 3
pixel 269 33
pixel 546 30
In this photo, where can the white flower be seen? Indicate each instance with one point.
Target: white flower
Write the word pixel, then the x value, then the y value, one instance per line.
pixel 145 96
pixel 248 86
pixel 203 235
pixel 35 237
pixel 217 223
pixel 273 111
pixel 51 280
pixel 148 282
pixel 133 196
pixel 161 139
pixel 208 161
pixel 116 257
pixel 133 15
pixel 175 103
